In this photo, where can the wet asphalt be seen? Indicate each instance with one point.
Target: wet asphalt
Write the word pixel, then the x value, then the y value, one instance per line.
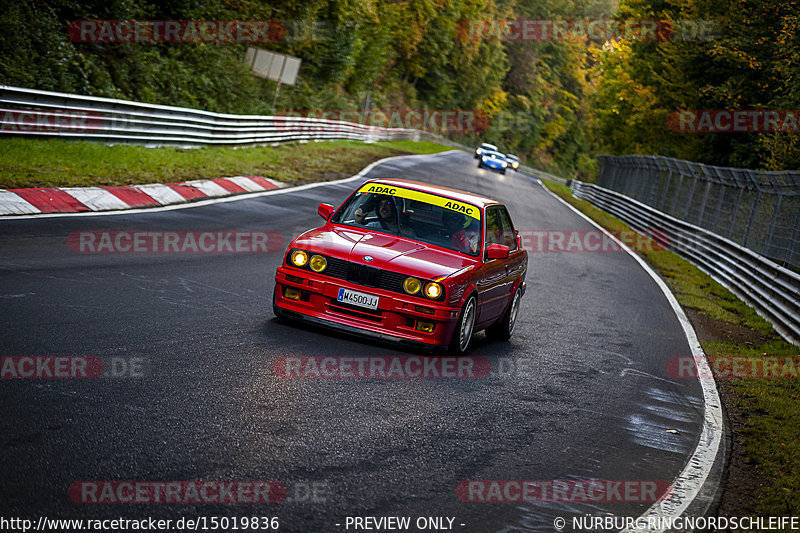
pixel 581 391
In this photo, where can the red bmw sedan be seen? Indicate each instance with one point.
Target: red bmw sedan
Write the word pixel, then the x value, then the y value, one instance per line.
pixel 410 262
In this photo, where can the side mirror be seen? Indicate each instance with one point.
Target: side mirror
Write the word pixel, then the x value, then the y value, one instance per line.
pixel 325 211
pixel 519 240
pixel 497 251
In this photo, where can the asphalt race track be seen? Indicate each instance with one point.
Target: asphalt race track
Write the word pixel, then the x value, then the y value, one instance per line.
pixel 580 392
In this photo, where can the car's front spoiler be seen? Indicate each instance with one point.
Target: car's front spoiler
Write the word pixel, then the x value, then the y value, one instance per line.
pixel 355 331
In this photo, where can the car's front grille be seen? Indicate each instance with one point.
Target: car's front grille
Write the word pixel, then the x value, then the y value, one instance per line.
pixel 364 275
pixel 337 268
pixel 392 281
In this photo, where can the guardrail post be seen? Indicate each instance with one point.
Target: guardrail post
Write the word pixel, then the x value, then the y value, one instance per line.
pixel 646 188
pixel 791 246
pixel 771 229
pixel 734 212
pixel 655 196
pixel 691 193
pixel 631 187
pixel 623 175
pixel 677 194
pixel 722 191
pixel 668 182
pixel 752 218
pixel 703 204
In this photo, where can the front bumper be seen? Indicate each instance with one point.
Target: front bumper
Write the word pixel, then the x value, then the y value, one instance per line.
pixel 492 165
pixel 395 319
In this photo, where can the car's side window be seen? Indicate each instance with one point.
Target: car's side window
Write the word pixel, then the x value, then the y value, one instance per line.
pixel 509 237
pixel 494 231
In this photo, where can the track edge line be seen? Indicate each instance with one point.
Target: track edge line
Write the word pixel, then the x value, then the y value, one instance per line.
pixel 687 486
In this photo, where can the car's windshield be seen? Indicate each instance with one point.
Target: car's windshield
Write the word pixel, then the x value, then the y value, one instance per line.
pixel 421 216
pixel 488 147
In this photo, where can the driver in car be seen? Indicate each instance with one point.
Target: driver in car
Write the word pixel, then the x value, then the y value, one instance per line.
pixel 461 230
pixel 386 210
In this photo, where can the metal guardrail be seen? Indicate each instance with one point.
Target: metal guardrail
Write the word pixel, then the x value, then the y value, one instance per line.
pixel 33 112
pixel 536 173
pixel 36 113
pixel 772 289
pixel 758 209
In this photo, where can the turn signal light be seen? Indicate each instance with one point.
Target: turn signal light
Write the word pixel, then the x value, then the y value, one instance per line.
pixel 426 327
pixel 291 293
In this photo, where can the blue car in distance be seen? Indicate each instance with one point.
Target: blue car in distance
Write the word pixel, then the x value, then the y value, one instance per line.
pixel 493 161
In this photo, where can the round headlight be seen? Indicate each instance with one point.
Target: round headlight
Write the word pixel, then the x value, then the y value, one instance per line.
pixel 299 258
pixel 412 285
pixel 318 263
pixel 433 290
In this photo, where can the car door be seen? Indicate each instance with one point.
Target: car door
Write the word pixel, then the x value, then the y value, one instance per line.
pixel 516 263
pixel 493 275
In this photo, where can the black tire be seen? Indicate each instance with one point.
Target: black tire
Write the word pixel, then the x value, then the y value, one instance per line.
pixel 504 328
pixel 503 171
pixel 275 309
pixel 462 335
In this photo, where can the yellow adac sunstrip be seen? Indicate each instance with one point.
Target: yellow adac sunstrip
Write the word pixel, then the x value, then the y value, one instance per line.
pixel 410 194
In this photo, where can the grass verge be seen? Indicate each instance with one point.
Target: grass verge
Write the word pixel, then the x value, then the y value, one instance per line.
pixel 58 163
pixel 764 473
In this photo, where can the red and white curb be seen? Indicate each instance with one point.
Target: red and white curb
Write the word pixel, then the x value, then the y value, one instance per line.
pixel 84 199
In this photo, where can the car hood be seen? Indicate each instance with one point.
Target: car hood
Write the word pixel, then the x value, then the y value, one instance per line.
pixel 389 252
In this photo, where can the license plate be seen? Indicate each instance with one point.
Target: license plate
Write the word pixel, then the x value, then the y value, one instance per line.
pixel 357 298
